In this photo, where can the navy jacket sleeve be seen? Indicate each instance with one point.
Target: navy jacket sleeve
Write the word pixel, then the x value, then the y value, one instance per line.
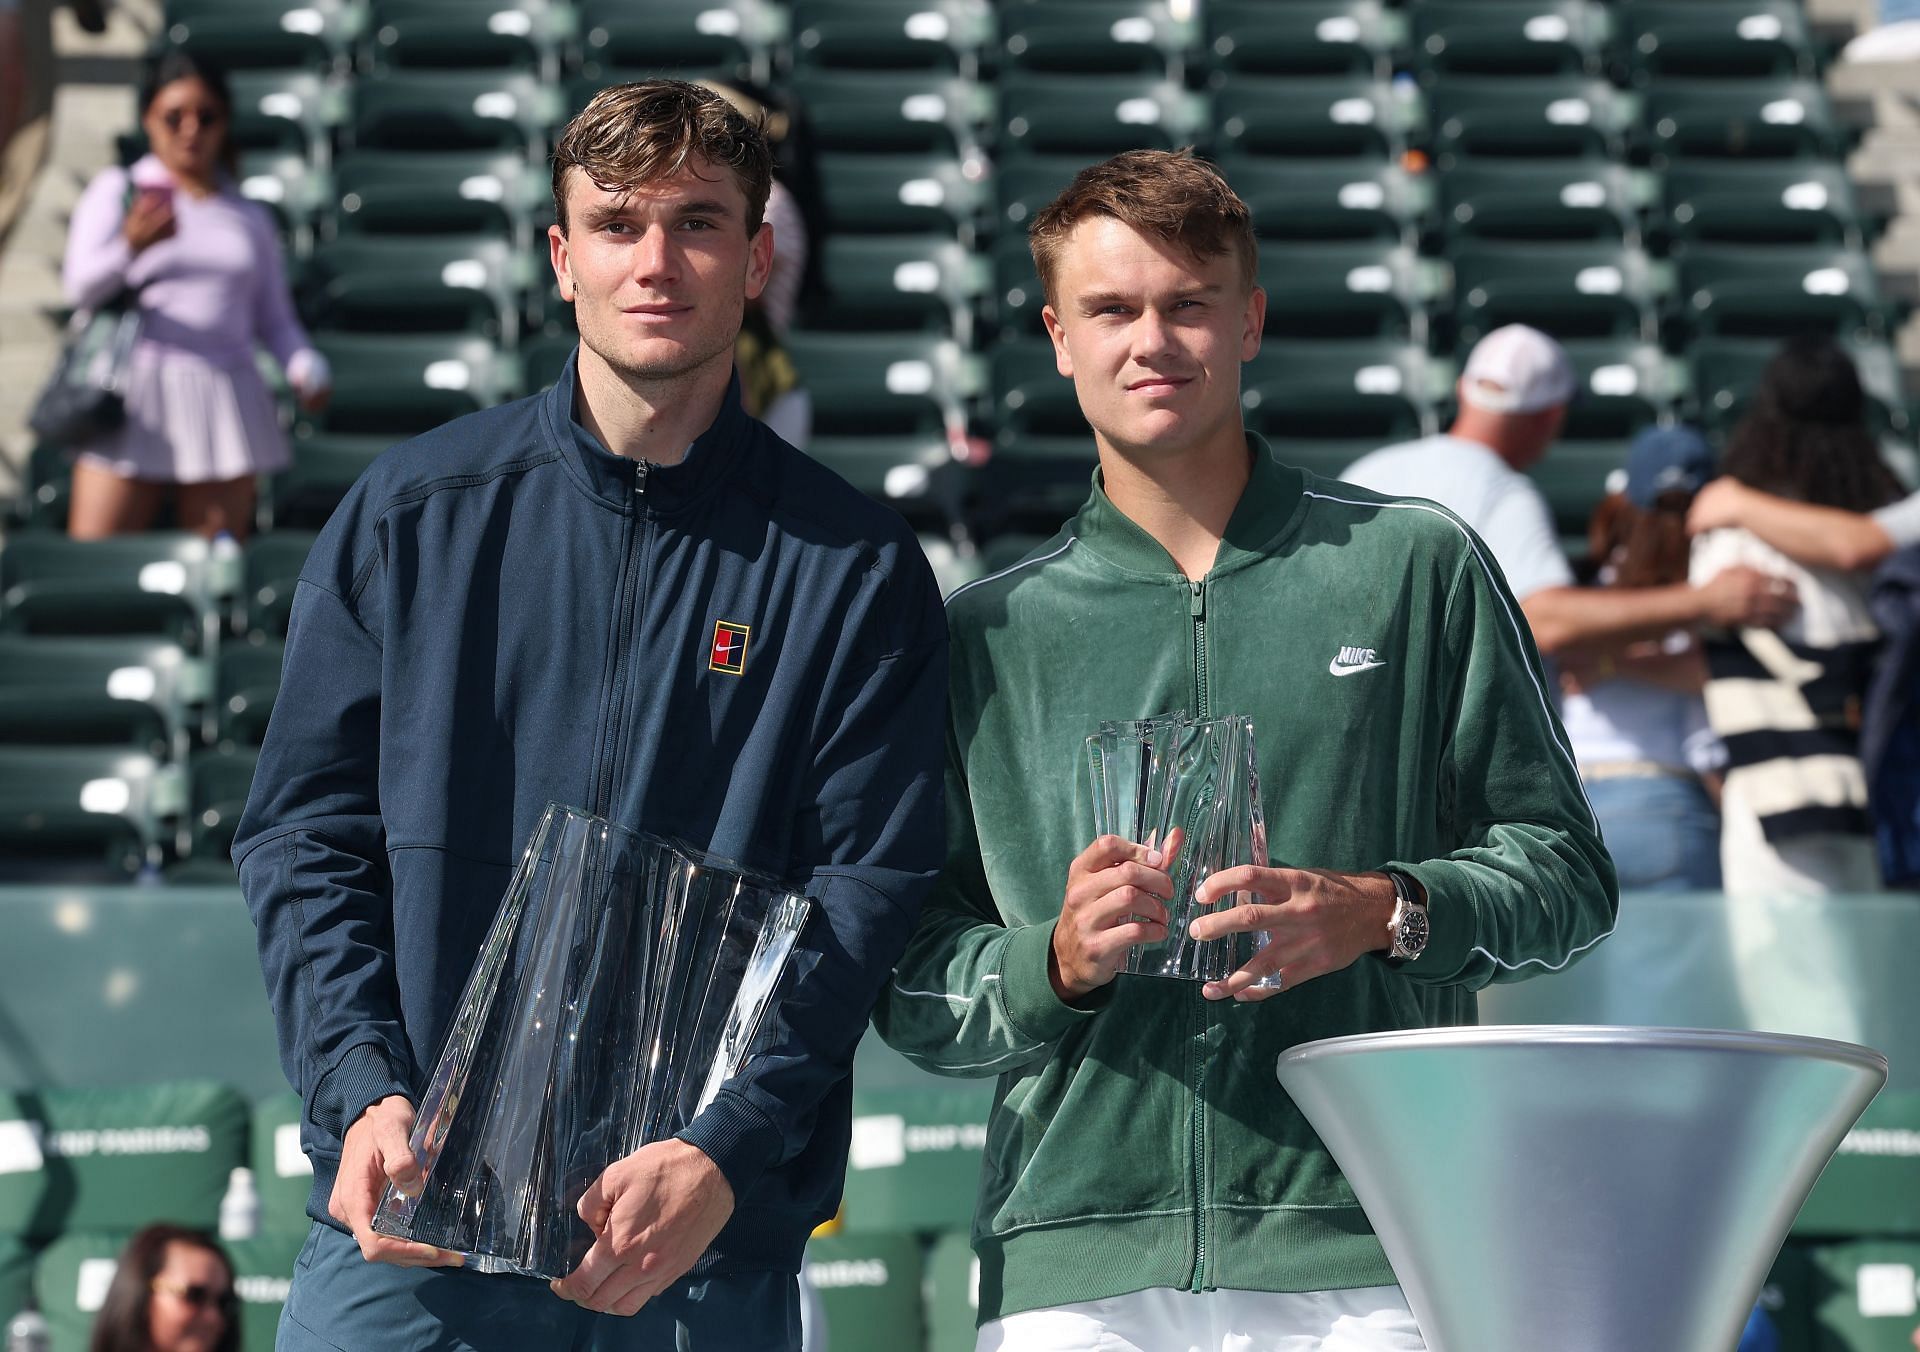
pixel 311 851
pixel 875 821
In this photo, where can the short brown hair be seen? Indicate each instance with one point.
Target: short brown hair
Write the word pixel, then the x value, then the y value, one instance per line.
pixel 1168 194
pixel 630 134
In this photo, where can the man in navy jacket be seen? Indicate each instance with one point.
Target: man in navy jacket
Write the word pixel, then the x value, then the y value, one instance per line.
pixel 624 595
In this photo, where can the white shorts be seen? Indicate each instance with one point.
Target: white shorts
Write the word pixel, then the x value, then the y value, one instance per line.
pixel 1367 1319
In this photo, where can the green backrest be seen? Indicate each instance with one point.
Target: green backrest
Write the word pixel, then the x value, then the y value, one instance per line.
pixel 397 386
pixel 1547 199
pixel 1320 37
pixel 282 1173
pixel 891 111
pixel 683 34
pixel 1586 289
pixel 294 188
pixel 163 582
pixel 1031 397
pixel 1347 116
pixel 939 35
pixel 115 1159
pixel 914 1163
pixel 324 467
pixel 139 692
pixel 454 110
pixel 869 1290
pixel 524 35
pixel 220 783
pixel 1361 198
pixel 1358 289
pixel 418 283
pixel 291 111
pixel 1716 39
pixel 453 193
pixel 1547 37
pixel 247 681
pixel 104 806
pixel 1095 115
pixel 1622 385
pixel 872 194
pixel 1726 370
pixel 889 384
pixel 899 282
pixel 273 564
pixel 1112 37
pixel 916 476
pixel 1793 202
pixel 1761 119
pixel 1564 116
pixel 1779 291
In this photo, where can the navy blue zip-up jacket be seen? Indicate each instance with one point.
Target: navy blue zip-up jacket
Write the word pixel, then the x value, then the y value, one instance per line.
pixel 503 614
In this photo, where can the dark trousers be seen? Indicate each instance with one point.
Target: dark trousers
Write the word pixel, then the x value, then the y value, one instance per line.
pixel 342 1303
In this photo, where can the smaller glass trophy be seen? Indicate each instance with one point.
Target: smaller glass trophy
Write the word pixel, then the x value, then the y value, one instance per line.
pixel 1150 776
pixel 622 984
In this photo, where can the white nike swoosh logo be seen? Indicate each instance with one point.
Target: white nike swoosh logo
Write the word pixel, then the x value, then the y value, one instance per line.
pixel 1339 668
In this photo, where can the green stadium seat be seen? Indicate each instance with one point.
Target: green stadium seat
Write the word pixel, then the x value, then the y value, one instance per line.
pixel 953 1294
pixel 397 386
pixel 273 565
pixel 1563 117
pixel 917 476
pixel 1760 202
pixel 872 112
pixel 1368 393
pixel 459 193
pixel 1779 291
pixel 528 35
pixel 544 357
pixel 217 795
pixel 919 194
pixel 1348 290
pixel 886 384
pixel 1573 479
pixel 1725 372
pixel 733 37
pixel 1024 187
pixel 1759 119
pixel 143 693
pixel 455 110
pixel 246 680
pixel 900 282
pixel 324 467
pixel 1539 200
pixel 110 1160
pixel 1095 115
pixel 1017 297
pixel 391 284
pixel 1032 399
pixel 72 812
pixel 296 112
pixel 1624 384
pixel 869 1290
pixel 1475 37
pixel 1322 37
pixel 1585 289
pixel 46 487
pixel 1029 485
pixel 1715 39
pixel 269 34
pixel 297 192
pixel 937 35
pixel 1107 37
pixel 1329 199
pixel 159 583
pixel 1347 117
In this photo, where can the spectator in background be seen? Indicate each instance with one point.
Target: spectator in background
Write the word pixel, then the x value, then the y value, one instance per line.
pixel 203 265
pixel 1787 705
pixel 769 384
pixel 1819 537
pixel 1637 722
pixel 173 1292
pixel 1513 401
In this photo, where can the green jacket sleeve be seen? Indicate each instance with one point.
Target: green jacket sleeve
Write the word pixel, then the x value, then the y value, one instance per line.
pixel 1528 886
pixel 971 996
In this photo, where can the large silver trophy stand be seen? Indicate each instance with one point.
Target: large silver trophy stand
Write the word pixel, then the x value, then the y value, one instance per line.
pixel 1581 1189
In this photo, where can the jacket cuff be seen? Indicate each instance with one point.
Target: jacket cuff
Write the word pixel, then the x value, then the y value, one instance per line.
pixel 1032 1006
pixel 1450 927
pixel 740 1139
pixel 361 1077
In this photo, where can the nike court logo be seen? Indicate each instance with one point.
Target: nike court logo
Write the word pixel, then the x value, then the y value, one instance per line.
pixel 1351 660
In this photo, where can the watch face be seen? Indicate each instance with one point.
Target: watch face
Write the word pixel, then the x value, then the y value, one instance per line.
pixel 1413 932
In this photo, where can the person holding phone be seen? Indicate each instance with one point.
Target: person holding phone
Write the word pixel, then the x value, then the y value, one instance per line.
pixel 203 265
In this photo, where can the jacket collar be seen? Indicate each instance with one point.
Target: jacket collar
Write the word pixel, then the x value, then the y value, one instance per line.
pixel 611 478
pixel 1270 510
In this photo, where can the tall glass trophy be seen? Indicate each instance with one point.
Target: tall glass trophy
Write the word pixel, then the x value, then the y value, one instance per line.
pixel 1151 776
pixel 621 985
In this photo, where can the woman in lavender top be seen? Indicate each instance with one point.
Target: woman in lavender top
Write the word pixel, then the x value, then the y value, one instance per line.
pixel 205 266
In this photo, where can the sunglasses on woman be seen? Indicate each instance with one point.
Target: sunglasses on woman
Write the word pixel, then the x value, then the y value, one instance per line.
pixel 175 118
pixel 199 1296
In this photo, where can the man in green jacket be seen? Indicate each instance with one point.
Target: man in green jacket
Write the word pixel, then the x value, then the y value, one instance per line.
pixel 1147 1183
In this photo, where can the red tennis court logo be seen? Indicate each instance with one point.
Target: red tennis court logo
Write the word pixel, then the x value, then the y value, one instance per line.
pixel 729 647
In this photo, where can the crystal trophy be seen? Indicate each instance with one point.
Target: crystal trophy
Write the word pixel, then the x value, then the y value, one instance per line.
pixel 623 982
pixel 1150 776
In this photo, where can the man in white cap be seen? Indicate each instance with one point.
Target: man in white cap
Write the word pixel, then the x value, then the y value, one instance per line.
pixel 1514 394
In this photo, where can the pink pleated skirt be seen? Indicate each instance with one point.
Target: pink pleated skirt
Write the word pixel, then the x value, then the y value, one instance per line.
pixel 191 420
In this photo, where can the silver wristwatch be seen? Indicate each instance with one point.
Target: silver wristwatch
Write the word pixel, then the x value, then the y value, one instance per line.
pixel 1407 929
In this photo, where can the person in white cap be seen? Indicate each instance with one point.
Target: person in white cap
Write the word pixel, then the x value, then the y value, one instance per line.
pixel 1514 394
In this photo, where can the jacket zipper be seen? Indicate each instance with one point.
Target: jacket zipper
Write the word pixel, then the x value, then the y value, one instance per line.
pixel 623 639
pixel 1197 609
